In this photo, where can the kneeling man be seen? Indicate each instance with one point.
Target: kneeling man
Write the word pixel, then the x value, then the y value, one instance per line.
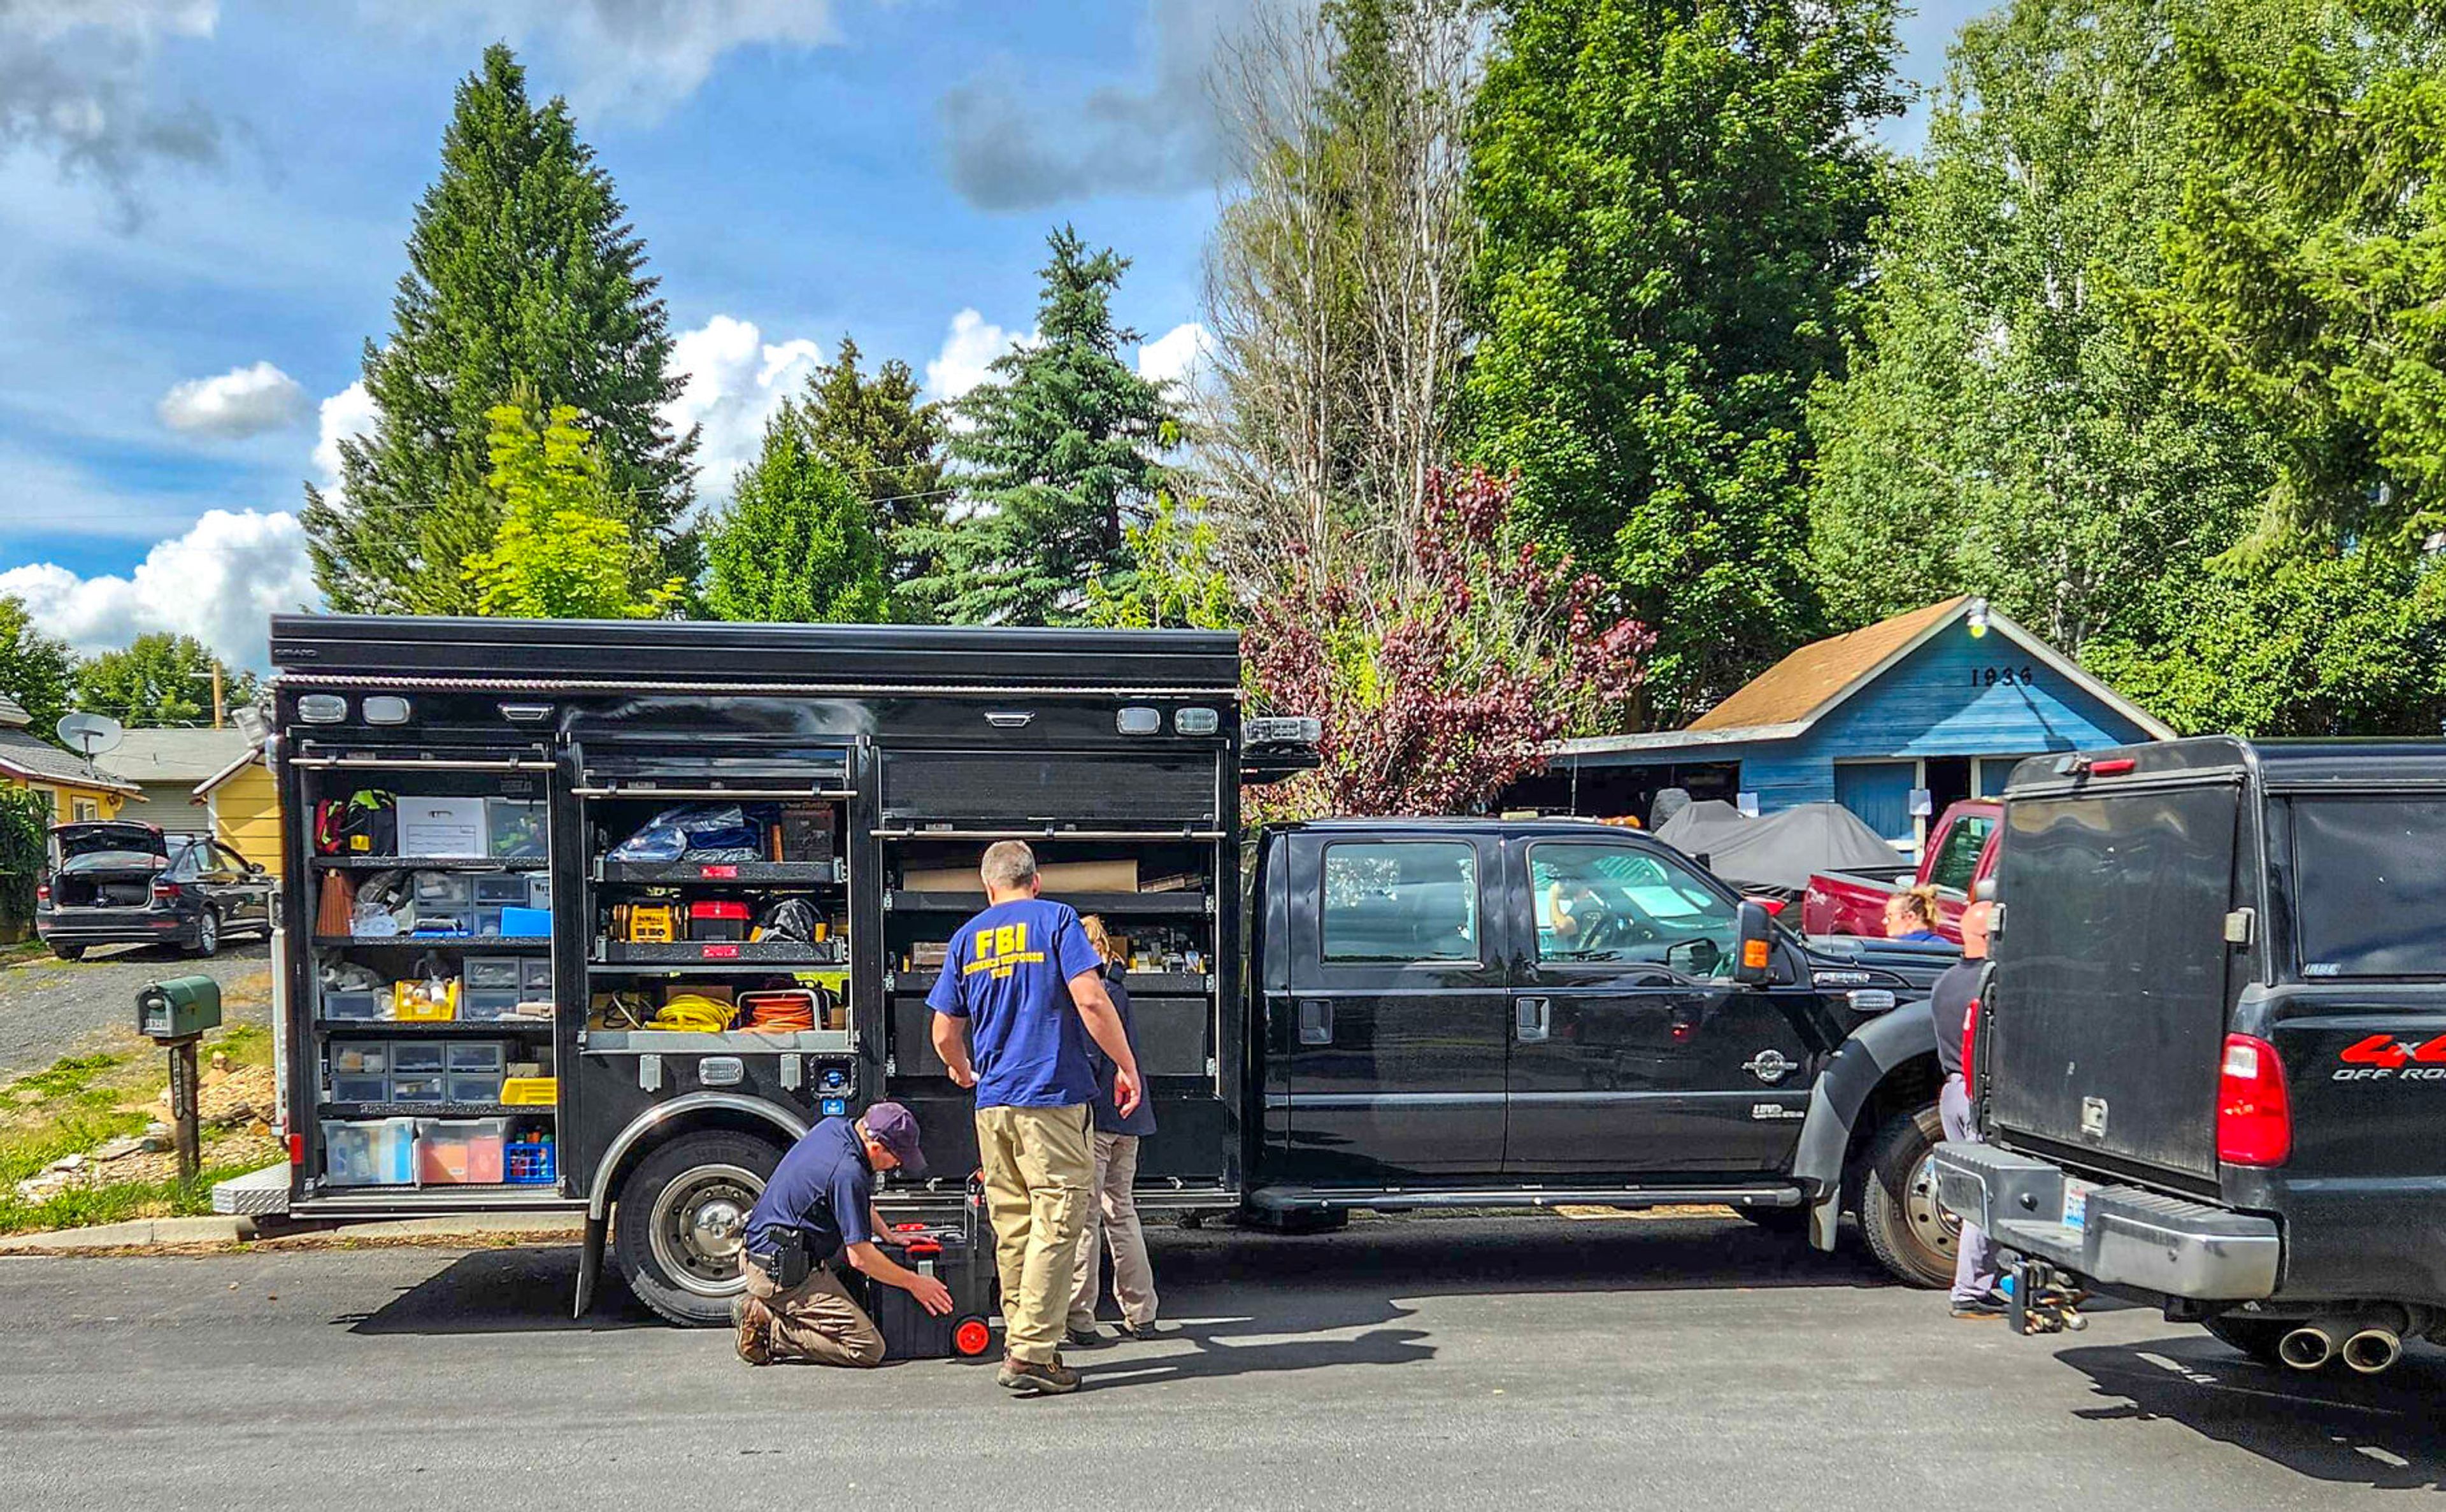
pixel 818 1212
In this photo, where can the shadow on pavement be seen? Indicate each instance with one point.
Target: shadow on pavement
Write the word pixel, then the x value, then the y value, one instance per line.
pixel 525 1290
pixel 2383 1432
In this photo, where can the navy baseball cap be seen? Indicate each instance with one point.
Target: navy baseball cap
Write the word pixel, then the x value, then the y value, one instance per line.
pixel 896 1128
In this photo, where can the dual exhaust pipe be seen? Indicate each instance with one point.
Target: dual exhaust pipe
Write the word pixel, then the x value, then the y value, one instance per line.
pixel 2367 1348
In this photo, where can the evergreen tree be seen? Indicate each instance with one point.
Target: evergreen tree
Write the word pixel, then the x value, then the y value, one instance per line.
pixel 565 549
pixel 799 541
pixel 1059 457
pixel 1677 197
pixel 886 444
pixel 523 272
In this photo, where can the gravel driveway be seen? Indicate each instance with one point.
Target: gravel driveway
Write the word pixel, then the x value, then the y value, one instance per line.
pixel 52 1008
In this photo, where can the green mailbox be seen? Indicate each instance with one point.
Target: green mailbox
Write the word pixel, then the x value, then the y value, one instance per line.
pixel 178 1009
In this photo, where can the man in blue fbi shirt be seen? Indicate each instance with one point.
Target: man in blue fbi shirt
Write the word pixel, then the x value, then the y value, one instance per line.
pixel 818 1211
pixel 1023 979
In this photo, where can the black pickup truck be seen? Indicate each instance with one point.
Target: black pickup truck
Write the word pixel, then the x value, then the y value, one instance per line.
pixel 2210 1056
pixel 526 968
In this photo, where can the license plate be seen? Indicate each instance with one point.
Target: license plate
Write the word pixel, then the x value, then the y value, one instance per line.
pixel 2076 1206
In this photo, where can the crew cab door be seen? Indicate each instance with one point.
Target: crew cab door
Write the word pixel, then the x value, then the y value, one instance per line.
pixel 1392 1035
pixel 1632 1049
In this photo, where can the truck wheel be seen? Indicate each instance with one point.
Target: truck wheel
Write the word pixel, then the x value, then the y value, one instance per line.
pixel 2256 1336
pixel 68 952
pixel 681 1222
pixel 1910 1236
pixel 208 934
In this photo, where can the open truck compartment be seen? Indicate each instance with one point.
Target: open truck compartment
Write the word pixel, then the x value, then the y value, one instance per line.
pixel 562 897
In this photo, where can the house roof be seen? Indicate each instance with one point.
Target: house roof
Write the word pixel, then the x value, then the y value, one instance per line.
pixel 29 757
pixel 181 757
pixel 1812 682
pixel 1797 689
pixel 12 713
pixel 236 764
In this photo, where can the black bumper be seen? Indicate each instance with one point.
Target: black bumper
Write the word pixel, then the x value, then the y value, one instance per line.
pixel 2130 1238
pixel 115 927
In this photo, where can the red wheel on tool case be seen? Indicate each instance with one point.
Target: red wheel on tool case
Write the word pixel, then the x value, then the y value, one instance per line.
pixel 972 1337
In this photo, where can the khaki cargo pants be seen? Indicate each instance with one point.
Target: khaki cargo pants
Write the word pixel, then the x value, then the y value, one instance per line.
pixel 1113 1220
pixel 817 1322
pixel 1040 1172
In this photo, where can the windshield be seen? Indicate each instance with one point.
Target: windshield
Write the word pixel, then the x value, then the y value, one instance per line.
pixel 2369 892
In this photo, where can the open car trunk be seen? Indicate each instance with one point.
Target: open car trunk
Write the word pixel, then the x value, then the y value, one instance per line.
pixel 105 864
pixel 2102 1046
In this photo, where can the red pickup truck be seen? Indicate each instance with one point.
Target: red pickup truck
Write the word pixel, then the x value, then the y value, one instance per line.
pixel 1961 849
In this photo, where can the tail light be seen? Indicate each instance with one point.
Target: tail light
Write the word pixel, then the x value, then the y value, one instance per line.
pixel 2254 1119
pixel 165 892
pixel 1970 1044
pixel 42 892
pixel 297 1149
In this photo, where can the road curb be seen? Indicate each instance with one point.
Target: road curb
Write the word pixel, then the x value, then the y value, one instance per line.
pixel 144 1233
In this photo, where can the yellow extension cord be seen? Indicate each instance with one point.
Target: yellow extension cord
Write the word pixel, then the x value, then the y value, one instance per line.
pixel 692 1013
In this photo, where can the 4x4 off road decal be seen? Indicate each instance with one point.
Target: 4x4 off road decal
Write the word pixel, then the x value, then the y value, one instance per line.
pixel 2383 1058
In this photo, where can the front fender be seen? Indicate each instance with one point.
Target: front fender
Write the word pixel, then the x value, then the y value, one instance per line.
pixel 1876 1049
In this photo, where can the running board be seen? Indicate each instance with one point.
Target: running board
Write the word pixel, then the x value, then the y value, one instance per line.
pixel 1341 1199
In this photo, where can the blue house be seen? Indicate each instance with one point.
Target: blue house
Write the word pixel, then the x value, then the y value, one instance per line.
pixel 1894 721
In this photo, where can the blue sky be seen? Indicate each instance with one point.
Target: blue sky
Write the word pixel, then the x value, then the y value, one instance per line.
pixel 203 204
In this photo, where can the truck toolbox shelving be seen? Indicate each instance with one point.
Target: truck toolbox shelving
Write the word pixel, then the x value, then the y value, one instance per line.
pixel 732 829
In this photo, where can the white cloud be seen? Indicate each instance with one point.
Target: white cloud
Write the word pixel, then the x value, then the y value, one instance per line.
pixel 241 403
pixel 639 55
pixel 346 414
pixel 735 380
pixel 1176 356
pixel 970 346
pixel 219 582
pixel 75 85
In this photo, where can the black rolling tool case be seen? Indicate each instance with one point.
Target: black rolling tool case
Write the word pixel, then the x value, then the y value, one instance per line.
pixel 961 1256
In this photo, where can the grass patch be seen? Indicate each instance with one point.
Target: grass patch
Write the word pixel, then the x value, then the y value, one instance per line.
pixel 83 1206
pixel 24 1152
pixel 245 1045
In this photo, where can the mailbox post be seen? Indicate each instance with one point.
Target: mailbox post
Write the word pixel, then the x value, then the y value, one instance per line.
pixel 176 1014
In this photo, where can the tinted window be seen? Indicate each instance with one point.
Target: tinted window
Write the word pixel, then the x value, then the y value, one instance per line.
pixel 1401 900
pixel 186 863
pixel 1957 860
pixel 2370 893
pixel 1600 903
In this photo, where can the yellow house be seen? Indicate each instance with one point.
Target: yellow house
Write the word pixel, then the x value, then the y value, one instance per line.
pixel 77 791
pixel 244 806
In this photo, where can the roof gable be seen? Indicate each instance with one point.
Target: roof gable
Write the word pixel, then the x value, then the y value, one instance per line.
pixel 25 758
pixel 175 756
pixel 1801 687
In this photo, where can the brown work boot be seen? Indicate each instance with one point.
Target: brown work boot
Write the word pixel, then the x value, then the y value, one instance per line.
pixel 753 1322
pixel 1036 1380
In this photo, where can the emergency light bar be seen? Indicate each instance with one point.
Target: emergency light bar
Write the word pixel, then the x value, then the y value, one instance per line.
pixel 1282 730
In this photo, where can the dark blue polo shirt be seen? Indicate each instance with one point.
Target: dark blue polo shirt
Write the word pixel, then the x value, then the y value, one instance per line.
pixel 823 1187
pixel 1009 974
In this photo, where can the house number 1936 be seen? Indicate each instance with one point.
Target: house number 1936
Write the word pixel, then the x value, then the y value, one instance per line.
pixel 1988 677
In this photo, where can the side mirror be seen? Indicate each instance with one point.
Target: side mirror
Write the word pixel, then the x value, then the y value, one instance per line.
pixel 1754 966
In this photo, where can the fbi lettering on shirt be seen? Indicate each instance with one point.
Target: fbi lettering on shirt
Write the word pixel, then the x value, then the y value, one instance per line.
pixel 1001 949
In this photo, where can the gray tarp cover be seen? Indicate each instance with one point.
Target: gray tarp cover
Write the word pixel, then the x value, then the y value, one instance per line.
pixel 1777 849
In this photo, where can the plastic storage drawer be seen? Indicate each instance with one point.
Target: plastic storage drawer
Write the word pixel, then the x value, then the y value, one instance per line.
pixel 374 1088
pixel 418 1087
pixel 535 976
pixel 497 891
pixel 482 1054
pixel 486 1004
pixel 491 971
pixel 475 1086
pixel 360 1057
pixel 357 1007
pixel 381 1153
pixel 409 1056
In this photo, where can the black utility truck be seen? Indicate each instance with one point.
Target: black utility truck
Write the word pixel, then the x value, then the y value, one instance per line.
pixel 597 918
pixel 2210 1055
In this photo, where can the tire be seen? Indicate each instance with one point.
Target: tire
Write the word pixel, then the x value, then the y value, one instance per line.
pixel 681 1220
pixel 2256 1336
pixel 208 935
pixel 1912 1237
pixel 68 952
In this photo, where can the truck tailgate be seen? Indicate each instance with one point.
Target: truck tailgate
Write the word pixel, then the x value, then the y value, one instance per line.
pixel 2105 1037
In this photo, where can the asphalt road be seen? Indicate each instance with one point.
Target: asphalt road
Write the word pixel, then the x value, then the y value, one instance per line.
pixel 49 1008
pixel 1535 1362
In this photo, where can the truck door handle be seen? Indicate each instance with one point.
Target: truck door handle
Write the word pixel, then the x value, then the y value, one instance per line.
pixel 1533 1018
pixel 1316 1021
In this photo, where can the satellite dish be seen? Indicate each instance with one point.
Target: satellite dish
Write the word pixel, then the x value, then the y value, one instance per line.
pixel 90 733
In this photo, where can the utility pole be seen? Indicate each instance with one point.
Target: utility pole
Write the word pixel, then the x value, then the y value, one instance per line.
pixel 220 710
